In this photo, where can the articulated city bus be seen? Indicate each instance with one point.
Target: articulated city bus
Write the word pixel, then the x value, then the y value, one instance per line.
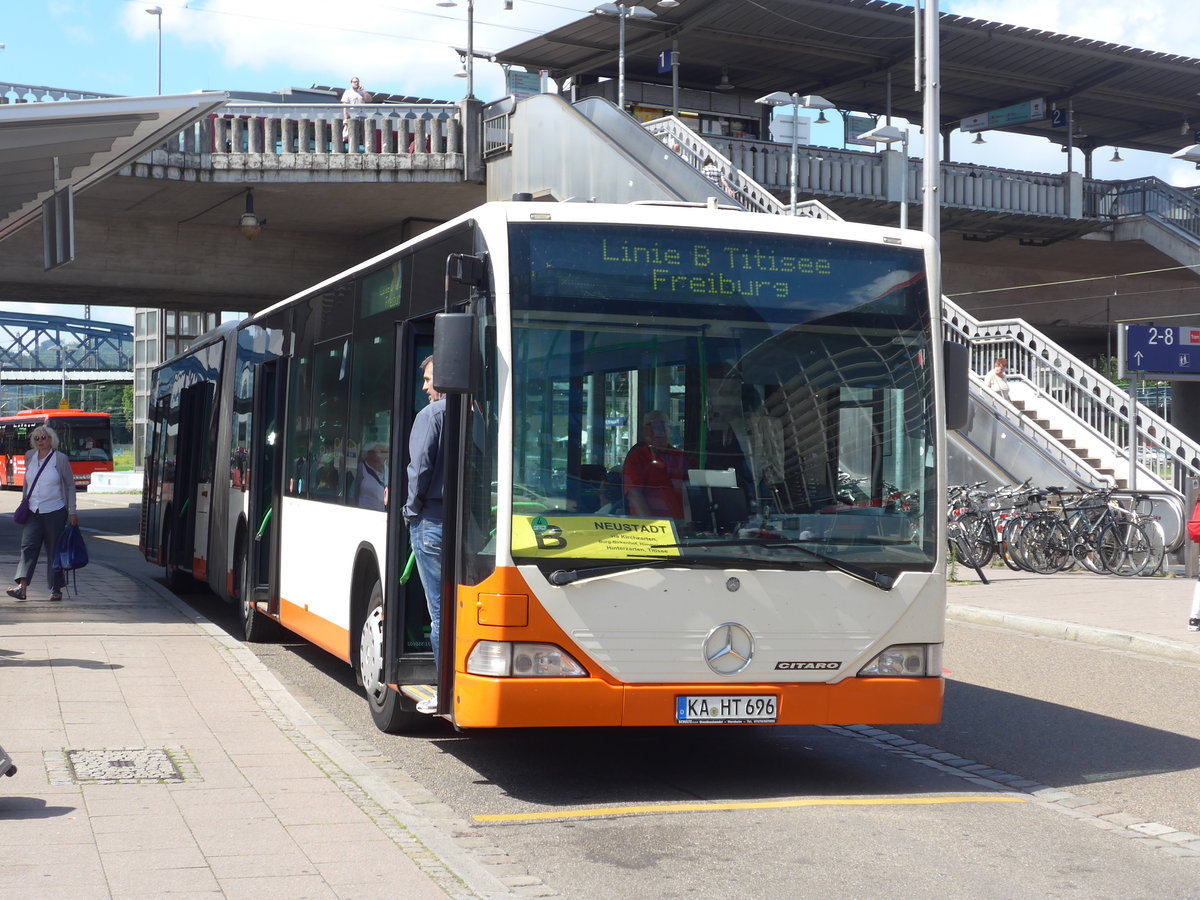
pixel 797 575
pixel 86 438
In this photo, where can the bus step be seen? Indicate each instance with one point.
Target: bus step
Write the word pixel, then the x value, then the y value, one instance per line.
pixel 418 692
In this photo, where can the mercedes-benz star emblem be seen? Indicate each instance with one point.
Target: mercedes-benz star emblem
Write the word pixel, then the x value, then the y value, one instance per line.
pixel 728 648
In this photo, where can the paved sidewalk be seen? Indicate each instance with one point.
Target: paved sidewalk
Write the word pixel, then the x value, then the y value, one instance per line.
pixel 157 755
pixel 1145 615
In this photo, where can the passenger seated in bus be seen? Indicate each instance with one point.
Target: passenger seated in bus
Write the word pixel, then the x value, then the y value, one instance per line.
pixel 371 477
pixel 612 496
pixel 91 449
pixel 591 480
pixel 655 472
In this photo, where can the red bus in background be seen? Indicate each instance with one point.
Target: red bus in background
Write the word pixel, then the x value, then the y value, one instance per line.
pixel 86 438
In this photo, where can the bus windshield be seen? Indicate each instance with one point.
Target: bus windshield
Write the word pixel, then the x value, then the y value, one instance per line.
pixel 85 439
pixel 694 393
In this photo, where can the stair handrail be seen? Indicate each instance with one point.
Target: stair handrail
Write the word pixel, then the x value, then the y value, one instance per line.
pixel 694 149
pixel 1088 395
pixel 1154 198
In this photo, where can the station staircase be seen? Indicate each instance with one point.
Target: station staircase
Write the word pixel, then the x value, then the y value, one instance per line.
pixel 1064 423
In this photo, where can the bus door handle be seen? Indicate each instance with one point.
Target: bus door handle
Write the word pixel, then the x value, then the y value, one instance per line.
pixel 263 527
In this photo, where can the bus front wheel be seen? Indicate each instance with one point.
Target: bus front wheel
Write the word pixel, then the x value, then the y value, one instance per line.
pixel 391 711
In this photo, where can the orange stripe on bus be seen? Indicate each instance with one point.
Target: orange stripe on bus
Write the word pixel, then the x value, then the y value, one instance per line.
pixel 313 628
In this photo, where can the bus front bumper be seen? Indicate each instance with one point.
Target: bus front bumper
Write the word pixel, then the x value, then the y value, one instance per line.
pixel 485 702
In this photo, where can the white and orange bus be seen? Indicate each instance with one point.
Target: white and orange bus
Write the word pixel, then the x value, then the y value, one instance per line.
pixel 798 363
pixel 86 438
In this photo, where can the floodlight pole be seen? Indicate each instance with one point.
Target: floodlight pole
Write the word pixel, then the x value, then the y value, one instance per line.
pixel 156 11
pixel 931 211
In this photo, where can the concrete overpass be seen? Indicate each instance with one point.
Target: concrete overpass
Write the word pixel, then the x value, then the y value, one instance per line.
pixel 161 230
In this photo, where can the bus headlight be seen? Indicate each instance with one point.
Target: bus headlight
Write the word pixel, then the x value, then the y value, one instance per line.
pixel 508 659
pixel 905 661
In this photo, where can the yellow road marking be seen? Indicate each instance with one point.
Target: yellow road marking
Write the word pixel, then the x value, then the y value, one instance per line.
pixel 756 804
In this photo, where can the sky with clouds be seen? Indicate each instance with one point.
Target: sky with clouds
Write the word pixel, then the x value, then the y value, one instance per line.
pixel 406 46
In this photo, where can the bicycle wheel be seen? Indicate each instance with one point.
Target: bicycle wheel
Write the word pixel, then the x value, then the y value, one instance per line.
pixel 1086 552
pixel 964 549
pixel 1045 545
pixel 1010 543
pixel 1158 544
pixel 977 530
pixel 1124 548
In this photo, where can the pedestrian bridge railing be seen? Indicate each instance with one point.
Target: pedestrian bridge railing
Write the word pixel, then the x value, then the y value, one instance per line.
pixel 413 141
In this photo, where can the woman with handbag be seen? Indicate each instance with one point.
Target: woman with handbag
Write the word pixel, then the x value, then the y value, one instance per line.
pixel 49 498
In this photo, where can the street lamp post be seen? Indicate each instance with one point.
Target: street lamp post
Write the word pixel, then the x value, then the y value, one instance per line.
pixel 622 12
pixel 470 58
pixel 809 101
pixel 470 55
pixel 156 11
pixel 889 134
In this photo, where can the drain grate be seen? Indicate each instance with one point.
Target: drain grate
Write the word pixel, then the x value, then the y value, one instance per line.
pixel 141 765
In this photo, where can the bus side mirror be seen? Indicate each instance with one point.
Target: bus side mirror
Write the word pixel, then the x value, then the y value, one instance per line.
pixel 957 384
pixel 455 357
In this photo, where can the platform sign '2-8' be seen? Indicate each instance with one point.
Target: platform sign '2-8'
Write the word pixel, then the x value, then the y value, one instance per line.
pixel 1162 350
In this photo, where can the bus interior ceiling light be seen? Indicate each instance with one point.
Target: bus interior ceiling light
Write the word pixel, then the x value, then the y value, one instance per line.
pixel 250 225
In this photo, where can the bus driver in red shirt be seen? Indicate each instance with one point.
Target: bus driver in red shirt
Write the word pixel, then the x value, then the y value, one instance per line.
pixel 655 472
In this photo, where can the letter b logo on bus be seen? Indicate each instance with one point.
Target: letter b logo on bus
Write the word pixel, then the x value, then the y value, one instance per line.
pixel 548 536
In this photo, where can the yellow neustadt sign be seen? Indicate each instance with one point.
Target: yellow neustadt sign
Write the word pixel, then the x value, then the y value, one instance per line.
pixel 593 537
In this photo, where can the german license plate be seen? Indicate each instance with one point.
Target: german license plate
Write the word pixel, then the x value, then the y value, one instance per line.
pixel 728 709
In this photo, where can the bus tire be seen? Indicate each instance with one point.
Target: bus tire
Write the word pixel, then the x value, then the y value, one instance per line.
pixel 391 711
pixel 256 627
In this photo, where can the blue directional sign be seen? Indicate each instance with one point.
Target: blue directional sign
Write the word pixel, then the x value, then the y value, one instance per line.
pixel 1163 350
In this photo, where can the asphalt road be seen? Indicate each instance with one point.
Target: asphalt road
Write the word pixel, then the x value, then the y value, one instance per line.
pixel 810 812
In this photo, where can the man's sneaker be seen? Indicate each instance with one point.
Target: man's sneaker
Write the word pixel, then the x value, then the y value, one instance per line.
pixel 1193 624
pixel 428 706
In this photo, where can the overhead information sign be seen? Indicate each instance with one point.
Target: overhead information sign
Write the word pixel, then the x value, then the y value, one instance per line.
pixel 1017 114
pixel 1162 350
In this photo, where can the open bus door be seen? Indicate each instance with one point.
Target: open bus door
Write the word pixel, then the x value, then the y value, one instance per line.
pixel 406 617
pixel 258 558
pixel 190 496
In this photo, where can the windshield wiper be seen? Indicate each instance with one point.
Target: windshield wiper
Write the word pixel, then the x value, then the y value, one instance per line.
pixel 862 573
pixel 560 577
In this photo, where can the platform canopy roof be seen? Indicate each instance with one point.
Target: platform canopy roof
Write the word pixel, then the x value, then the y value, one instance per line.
pixel 86 140
pixel 847 50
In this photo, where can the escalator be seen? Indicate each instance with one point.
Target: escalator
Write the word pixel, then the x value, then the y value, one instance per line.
pixel 588 151
pixel 1000 446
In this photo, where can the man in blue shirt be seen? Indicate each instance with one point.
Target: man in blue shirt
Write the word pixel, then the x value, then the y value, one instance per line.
pixel 423 508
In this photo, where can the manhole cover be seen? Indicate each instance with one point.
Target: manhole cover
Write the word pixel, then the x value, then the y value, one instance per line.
pixel 140 765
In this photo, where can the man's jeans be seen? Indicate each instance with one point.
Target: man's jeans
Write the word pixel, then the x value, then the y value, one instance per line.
pixel 425 533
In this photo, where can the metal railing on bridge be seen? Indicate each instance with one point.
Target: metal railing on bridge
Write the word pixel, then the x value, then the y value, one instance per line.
pixel 1151 197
